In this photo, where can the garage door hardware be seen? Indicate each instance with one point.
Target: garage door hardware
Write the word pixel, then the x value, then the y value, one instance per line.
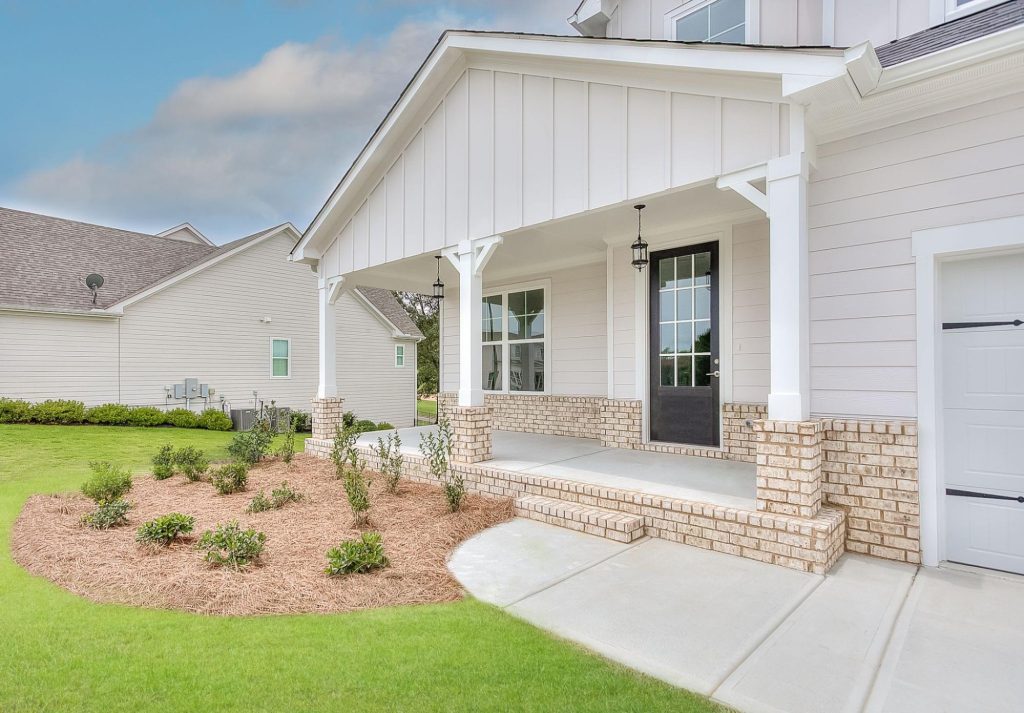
pixel 973 325
pixel 989 496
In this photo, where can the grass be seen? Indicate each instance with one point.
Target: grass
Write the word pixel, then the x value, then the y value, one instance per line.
pixel 64 653
pixel 426 411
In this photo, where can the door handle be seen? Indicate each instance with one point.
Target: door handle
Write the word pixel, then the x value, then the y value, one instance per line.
pixel 716 373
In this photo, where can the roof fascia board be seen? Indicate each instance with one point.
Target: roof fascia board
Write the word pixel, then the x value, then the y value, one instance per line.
pixel 42 311
pixel 118 307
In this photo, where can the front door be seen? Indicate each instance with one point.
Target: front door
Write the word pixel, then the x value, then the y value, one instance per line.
pixel 983 409
pixel 684 345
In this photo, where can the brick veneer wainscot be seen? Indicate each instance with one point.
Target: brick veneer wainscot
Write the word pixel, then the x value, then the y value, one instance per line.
pixel 789 467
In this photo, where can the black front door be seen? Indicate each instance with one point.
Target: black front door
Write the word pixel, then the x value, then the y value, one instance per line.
pixel 684 345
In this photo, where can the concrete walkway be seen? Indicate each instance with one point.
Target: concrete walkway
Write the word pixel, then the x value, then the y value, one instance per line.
pixel 870 636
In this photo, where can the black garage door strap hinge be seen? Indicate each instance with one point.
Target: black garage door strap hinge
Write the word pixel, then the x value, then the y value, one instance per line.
pixel 973 325
pixel 988 496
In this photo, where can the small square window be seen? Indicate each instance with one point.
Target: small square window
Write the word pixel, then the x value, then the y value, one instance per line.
pixel 399 355
pixel 280 358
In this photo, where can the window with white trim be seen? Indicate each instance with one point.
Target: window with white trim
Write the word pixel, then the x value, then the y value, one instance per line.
pixel 399 355
pixel 280 358
pixel 514 338
pixel 713 21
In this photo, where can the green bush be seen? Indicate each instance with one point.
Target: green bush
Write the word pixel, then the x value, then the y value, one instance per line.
pixel 253 445
pixel 389 450
pixel 365 425
pixel 107 483
pixel 165 529
pixel 109 514
pixel 287 449
pixel 230 545
pixel 437 449
pixel 230 478
pixel 259 503
pixel 58 412
pixel 163 462
pixel 302 421
pixel 15 411
pixel 354 556
pixel 146 416
pixel 384 426
pixel 357 490
pixel 213 419
pixel 182 418
pixel 279 497
pixel 191 462
pixel 108 414
pixel 348 419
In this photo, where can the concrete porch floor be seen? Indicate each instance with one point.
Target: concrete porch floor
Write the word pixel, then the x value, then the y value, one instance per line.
pixel 870 636
pixel 722 482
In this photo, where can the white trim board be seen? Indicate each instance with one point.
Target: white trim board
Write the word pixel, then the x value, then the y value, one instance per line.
pixel 930 248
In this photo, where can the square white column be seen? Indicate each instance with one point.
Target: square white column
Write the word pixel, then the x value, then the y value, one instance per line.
pixel 328 343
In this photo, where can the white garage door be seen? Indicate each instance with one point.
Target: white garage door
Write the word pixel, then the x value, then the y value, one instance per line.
pixel 983 401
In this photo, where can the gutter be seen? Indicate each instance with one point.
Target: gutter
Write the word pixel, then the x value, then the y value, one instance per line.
pixel 99 313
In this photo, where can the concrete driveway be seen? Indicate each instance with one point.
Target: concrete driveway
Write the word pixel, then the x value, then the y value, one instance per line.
pixel 870 636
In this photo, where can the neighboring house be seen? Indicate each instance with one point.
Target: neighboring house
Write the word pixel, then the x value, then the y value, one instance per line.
pixel 836 245
pixel 239 318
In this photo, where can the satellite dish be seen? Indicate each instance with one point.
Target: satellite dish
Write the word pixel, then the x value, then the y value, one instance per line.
pixel 94 282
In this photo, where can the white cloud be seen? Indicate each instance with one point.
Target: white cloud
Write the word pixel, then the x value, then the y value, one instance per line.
pixel 235 154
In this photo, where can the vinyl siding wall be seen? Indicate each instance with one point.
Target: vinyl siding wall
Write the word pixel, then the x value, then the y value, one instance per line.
pixel 869 193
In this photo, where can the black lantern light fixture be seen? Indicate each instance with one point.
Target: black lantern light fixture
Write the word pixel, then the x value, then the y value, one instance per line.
pixel 438 286
pixel 639 246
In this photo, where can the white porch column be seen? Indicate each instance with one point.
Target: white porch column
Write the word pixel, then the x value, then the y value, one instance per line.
pixel 789 397
pixel 327 330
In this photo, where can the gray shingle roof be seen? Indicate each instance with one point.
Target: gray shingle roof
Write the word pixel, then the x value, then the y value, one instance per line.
pixel 967 28
pixel 388 305
pixel 46 259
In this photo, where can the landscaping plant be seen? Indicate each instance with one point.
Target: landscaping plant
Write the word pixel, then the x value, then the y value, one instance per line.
pixel 279 497
pixel 229 545
pixel 107 483
pixel 359 555
pixel 15 411
pixel 287 449
pixel 389 450
pixel 191 462
pixel 108 414
pixel 58 412
pixel 165 529
pixel 344 446
pixel 163 462
pixel 302 421
pixel 146 416
pixel 213 419
pixel 182 418
pixel 230 478
pixel 110 513
pixel 253 445
pixel 437 449
pixel 357 490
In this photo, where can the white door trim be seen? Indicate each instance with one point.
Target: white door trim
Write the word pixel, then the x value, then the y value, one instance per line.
pixel 930 247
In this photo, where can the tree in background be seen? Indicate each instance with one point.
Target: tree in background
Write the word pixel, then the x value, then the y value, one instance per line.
pixel 424 312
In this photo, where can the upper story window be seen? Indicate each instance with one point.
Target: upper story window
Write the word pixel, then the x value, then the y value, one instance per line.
pixel 945 10
pixel 514 339
pixel 280 358
pixel 714 21
pixel 399 355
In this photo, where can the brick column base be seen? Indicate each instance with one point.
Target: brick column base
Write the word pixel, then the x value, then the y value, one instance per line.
pixel 327 415
pixel 471 426
pixel 789 467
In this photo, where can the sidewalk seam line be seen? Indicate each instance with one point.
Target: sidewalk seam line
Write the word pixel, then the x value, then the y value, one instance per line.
pixel 869 693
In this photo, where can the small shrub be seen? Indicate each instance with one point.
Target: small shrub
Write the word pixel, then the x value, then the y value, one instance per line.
pixel 58 412
pixel 191 462
pixel 107 483
pixel 348 419
pixel 437 449
pixel 146 416
pixel 354 556
pixel 230 478
pixel 357 490
pixel 302 421
pixel 109 514
pixel 165 529
pixel 108 414
pixel 287 448
pixel 15 411
pixel 214 420
pixel 259 503
pixel 182 418
pixel 279 497
pixel 364 426
pixel 389 451
pixel 385 426
pixel 229 545
pixel 253 445
pixel 343 448
pixel 163 462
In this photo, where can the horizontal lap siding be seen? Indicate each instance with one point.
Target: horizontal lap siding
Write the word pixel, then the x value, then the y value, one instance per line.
pixel 868 194
pixel 50 357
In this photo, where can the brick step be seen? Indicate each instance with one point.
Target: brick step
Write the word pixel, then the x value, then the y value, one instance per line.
pixel 618 526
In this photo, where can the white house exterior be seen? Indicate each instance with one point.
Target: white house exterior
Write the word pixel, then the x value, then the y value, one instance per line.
pixel 240 318
pixel 832 210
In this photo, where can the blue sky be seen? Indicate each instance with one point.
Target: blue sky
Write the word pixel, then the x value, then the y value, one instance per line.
pixel 232 115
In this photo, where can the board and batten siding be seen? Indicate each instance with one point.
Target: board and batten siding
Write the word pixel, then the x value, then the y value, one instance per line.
pixel 505 150
pixel 868 194
pixel 57 357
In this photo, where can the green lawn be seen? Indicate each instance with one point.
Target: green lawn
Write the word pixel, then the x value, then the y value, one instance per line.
pixel 426 410
pixel 62 653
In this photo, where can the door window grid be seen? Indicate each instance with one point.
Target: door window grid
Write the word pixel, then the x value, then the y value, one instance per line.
pixel 684 320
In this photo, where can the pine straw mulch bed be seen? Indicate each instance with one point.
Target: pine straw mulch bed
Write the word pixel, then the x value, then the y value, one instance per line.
pixel 108 566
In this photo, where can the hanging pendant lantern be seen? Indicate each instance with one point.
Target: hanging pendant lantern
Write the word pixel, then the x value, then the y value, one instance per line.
pixel 639 246
pixel 438 286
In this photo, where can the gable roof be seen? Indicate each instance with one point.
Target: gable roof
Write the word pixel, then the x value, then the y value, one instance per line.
pixel 188 229
pixel 964 29
pixel 387 304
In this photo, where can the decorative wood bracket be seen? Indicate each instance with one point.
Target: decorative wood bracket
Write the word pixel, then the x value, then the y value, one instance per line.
pixel 482 250
pixel 335 288
pixel 742 183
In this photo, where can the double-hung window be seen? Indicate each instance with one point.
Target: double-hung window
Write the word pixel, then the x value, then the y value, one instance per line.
pixel 280 358
pixel 514 337
pixel 399 355
pixel 715 21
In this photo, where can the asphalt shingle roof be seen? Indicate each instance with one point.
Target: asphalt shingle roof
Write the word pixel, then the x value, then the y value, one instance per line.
pixel 964 29
pixel 389 306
